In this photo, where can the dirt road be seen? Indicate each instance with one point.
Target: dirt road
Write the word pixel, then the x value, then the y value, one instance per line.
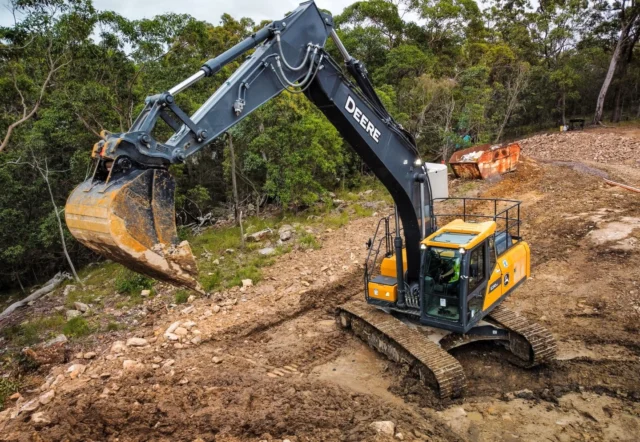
pixel 272 365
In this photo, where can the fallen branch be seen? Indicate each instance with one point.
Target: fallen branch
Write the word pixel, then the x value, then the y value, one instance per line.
pixel 50 286
pixel 624 186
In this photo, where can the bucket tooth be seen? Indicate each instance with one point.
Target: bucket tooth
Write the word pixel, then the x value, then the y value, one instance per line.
pixel 130 219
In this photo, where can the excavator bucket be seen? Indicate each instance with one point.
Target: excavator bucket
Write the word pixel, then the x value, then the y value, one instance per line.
pixel 131 220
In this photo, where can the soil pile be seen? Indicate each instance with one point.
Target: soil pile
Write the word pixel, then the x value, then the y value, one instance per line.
pixel 591 145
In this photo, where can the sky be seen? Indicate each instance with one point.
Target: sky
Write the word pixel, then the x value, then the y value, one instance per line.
pixel 208 10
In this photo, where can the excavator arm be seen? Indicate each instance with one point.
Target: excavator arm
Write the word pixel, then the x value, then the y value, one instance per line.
pixel 126 210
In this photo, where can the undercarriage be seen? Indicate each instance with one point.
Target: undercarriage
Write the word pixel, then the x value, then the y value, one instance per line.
pixel 425 349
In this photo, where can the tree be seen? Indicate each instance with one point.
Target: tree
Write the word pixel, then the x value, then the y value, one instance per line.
pixel 629 17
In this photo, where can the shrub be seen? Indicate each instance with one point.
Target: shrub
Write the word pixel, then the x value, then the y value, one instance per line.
pixel 77 327
pixel 181 296
pixel 131 282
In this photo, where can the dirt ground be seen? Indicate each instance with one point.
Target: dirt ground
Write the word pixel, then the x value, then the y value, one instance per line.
pixel 269 363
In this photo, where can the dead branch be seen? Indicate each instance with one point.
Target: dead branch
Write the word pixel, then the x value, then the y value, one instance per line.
pixel 49 286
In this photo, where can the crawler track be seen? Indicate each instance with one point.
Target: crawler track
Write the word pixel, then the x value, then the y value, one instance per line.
pixel 532 343
pixel 405 345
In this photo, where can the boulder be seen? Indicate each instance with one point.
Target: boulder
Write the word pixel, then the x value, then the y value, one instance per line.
pixel 137 342
pixel 258 236
pixel 70 314
pixel 81 306
pixel 267 251
pixel 385 427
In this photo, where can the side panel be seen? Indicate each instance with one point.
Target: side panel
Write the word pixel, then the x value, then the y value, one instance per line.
pixel 514 266
pixel 388 265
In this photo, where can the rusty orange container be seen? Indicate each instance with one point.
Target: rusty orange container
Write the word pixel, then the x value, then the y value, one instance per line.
pixel 485 161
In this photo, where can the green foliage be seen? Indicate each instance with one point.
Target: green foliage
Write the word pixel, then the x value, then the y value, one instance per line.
pixel 34 331
pixel 77 328
pixel 131 282
pixel 309 241
pixel 8 386
pixel 181 296
pixel 450 75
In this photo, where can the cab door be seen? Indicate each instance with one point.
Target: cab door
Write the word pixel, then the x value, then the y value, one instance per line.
pixel 495 286
pixel 477 273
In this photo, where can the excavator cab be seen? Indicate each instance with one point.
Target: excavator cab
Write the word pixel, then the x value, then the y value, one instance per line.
pixel 467 266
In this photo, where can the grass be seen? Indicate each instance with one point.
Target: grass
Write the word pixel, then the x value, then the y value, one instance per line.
pixel 181 296
pixel 7 388
pixel 32 332
pixel 337 220
pixel 132 282
pixel 309 241
pixel 77 328
pixel 113 326
pixel 362 212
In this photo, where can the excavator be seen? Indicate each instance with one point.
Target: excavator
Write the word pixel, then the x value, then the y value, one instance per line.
pixel 427 289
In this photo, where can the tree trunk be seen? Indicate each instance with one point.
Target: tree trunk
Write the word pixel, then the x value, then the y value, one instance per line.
pixel 47 288
pixel 616 114
pixel 624 34
pixel 45 176
pixel 564 108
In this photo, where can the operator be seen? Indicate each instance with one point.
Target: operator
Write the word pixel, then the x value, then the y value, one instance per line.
pixel 454 271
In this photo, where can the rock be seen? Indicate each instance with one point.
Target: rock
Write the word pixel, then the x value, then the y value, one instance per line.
pixel 207 313
pixel 32 405
pixel 524 394
pixel 181 331
pixel 137 342
pixel 84 308
pixel 105 375
pixel 57 340
pixel 191 298
pixel 118 347
pixel 216 261
pixel 229 251
pixel 173 327
pixel 188 325
pixel 47 397
pixel 145 293
pixel 258 236
pixel 68 289
pixel 76 370
pixel 216 359
pixel 15 396
pixel 186 311
pixel 131 365
pixel 79 356
pixel 215 308
pixel 196 341
pixel 172 337
pixel 368 192
pixel 89 355
pixel 40 418
pixel 70 314
pixel 247 283
pixel 386 427
pixel 267 251
pixel 399 436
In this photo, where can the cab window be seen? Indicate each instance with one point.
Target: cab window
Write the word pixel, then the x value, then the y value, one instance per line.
pixel 477 273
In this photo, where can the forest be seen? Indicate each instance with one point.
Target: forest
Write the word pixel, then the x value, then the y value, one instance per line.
pixel 452 72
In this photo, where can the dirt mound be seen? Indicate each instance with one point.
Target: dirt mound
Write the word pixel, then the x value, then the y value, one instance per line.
pixel 591 145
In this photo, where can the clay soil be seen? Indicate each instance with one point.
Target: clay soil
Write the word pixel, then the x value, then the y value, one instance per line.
pixel 273 365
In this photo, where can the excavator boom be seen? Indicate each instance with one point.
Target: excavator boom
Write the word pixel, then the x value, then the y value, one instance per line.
pixel 126 210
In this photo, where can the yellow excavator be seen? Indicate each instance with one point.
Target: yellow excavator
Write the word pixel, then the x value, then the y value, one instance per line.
pixel 427 289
